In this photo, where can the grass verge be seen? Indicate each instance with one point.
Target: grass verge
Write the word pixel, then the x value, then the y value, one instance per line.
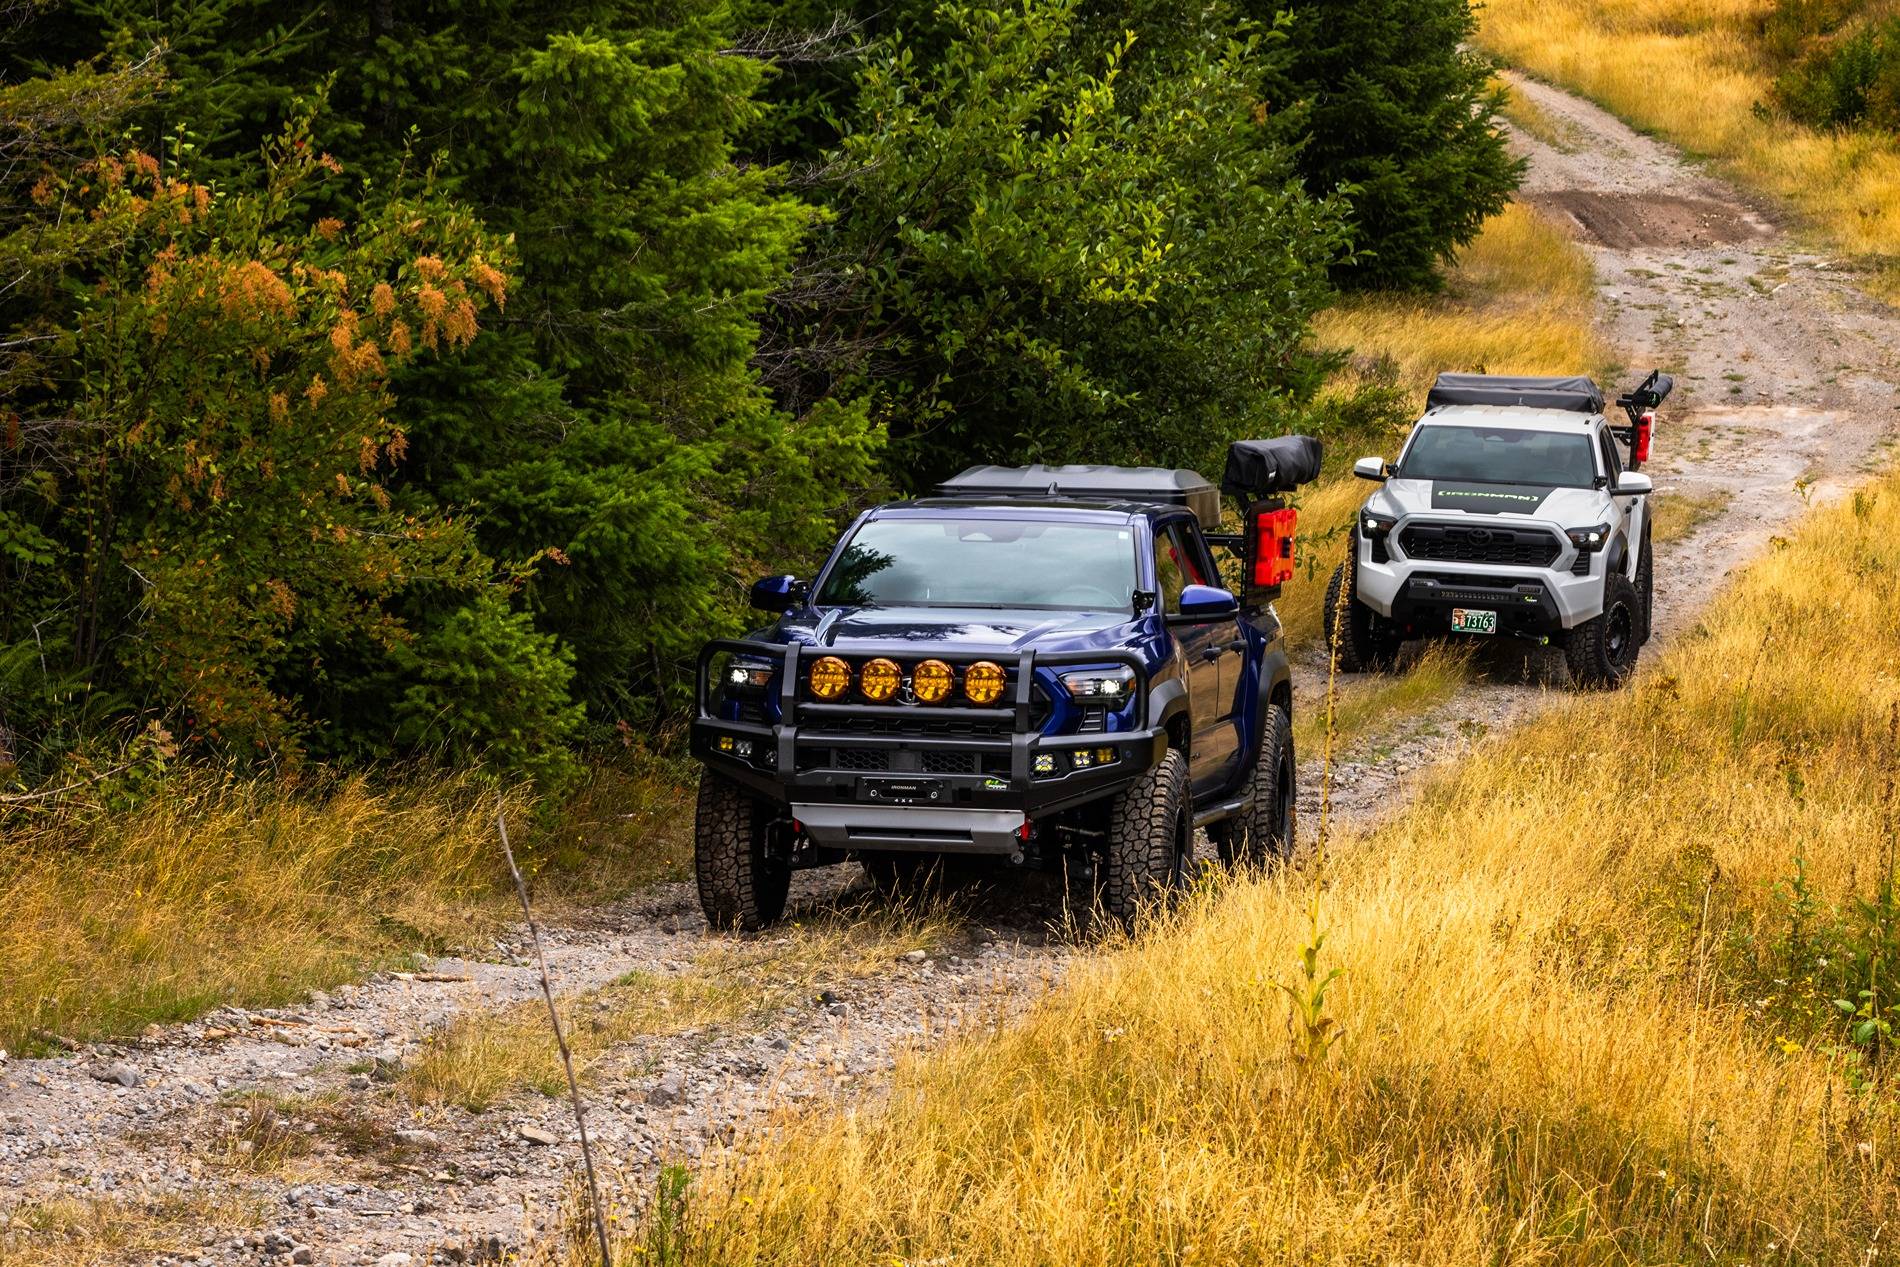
pixel 214 891
pixel 1367 702
pixel 80 1231
pixel 218 891
pixel 1680 512
pixel 482 1057
pixel 1712 54
pixel 1583 1016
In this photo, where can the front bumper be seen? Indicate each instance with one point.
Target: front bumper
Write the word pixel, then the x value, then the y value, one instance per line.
pixel 899 777
pixel 1524 607
pixel 1535 602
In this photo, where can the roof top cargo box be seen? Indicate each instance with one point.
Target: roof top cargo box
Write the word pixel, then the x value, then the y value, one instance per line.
pixel 1575 393
pixel 1146 484
pixel 1256 468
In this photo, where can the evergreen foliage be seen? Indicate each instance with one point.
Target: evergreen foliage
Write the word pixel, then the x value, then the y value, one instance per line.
pixel 428 378
pixel 1048 242
pixel 1389 101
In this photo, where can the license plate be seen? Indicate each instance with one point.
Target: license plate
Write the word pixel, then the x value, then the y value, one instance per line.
pixel 902 791
pixel 1471 621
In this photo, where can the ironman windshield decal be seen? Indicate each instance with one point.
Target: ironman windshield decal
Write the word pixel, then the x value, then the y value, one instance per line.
pixel 1488 499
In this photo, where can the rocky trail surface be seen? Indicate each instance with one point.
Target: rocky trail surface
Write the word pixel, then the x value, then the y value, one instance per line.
pixel 295 1135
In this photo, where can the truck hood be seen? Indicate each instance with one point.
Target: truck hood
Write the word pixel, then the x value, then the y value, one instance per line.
pixel 963 628
pixel 1441 499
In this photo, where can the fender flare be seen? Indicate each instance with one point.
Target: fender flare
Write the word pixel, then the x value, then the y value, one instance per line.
pixel 1276 676
pixel 1276 672
pixel 1617 553
pixel 1166 702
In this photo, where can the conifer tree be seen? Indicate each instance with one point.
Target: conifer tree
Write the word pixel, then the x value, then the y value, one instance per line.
pixel 1387 100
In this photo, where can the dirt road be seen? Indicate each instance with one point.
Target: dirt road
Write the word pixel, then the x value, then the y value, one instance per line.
pixel 1786 375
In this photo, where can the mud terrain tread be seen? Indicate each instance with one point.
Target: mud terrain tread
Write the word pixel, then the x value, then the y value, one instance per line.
pixel 1645 591
pixel 1253 837
pixel 1585 649
pixel 1362 646
pixel 1143 846
pixel 738 888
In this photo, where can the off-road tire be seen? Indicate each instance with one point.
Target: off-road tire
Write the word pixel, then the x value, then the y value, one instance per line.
pixel 1367 641
pixel 1602 652
pixel 1645 589
pixel 740 886
pixel 1150 830
pixel 1262 833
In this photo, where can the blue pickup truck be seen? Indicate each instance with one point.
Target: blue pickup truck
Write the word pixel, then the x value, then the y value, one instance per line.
pixel 1036 663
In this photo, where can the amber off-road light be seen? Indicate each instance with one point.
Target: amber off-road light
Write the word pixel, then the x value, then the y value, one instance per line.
pixel 932 681
pixel 983 682
pixel 878 680
pixel 829 678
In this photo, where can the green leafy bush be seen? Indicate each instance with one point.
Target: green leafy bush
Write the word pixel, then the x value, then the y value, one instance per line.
pixel 204 523
pixel 1852 80
pixel 1058 248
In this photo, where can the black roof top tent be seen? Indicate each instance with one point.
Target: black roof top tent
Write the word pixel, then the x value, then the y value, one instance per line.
pixel 1255 468
pixel 1574 392
pixel 1152 485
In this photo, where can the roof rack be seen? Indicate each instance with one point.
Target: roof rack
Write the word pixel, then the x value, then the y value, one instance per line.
pixel 1575 393
pixel 1149 484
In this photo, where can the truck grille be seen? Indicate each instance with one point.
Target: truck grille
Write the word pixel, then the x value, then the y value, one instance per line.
pixel 861 758
pixel 1453 543
pixel 949 762
pixel 822 756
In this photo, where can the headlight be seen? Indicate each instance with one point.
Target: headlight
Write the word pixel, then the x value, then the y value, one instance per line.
pixel 878 680
pixel 747 677
pixel 829 677
pixel 1589 540
pixel 1108 685
pixel 1374 524
pixel 983 682
pixel 932 681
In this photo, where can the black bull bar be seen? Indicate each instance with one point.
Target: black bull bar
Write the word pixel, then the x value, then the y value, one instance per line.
pixel 804 718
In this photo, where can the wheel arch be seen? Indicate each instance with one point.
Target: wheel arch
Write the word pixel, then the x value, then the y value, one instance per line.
pixel 1168 706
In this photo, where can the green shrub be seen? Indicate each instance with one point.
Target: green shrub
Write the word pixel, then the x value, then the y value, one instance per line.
pixel 1389 103
pixel 1849 81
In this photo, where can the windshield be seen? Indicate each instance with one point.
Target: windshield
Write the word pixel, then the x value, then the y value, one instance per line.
pixel 1500 455
pixel 984 563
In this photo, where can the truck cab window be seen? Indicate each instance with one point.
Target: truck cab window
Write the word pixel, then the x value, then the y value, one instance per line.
pixel 1612 465
pixel 1170 576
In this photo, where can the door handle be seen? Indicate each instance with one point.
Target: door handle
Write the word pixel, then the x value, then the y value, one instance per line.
pixel 1238 644
pixel 1211 654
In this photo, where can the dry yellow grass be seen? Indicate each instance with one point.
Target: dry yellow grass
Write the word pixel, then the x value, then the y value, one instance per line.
pixel 482 1057
pixel 1520 300
pixel 1693 71
pixel 1362 705
pixel 1680 513
pixel 80 1232
pixel 1551 1044
pixel 219 892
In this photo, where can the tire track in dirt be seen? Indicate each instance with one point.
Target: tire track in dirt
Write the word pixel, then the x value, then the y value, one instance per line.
pixel 1785 374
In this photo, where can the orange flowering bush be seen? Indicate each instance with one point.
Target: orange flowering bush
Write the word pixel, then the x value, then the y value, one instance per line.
pixel 217 533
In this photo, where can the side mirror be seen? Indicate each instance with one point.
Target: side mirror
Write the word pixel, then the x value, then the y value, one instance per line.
pixel 778 593
pixel 1205 604
pixel 1370 469
pixel 1633 483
